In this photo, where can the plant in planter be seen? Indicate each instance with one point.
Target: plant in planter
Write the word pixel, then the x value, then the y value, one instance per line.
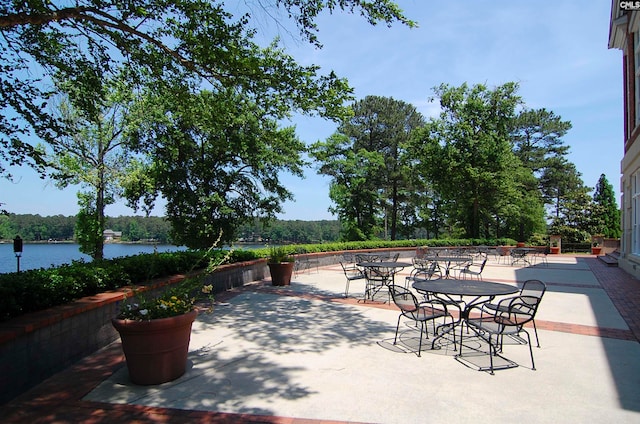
pixel 156 330
pixel 555 249
pixel 281 265
pixel 596 249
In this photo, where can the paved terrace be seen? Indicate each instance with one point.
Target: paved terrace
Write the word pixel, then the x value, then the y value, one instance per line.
pixel 303 354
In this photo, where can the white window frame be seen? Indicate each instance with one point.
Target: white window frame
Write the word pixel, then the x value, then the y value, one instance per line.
pixel 636 65
pixel 635 213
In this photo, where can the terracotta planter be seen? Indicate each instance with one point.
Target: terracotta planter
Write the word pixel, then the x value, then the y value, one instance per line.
pixel 596 250
pixel 156 351
pixel 281 273
pixel 555 250
pixel 520 244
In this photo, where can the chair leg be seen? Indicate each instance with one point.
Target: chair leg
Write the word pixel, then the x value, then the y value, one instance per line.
pixel 346 291
pixel 491 347
pixel 397 327
pixel 422 330
pixel 535 330
pixel 533 365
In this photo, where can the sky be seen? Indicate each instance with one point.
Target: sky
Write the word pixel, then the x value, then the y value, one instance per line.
pixel 557 51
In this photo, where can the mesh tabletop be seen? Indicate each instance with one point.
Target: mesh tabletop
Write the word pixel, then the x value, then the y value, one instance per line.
pixel 465 287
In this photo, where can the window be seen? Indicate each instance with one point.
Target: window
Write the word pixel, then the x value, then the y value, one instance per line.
pixel 636 64
pixel 635 213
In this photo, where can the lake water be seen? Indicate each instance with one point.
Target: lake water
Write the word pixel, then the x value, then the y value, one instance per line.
pixel 35 256
pixel 46 255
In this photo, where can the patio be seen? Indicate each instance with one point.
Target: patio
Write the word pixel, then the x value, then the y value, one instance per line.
pixel 303 353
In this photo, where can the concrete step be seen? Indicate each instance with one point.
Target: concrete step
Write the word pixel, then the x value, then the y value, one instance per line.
pixel 609 259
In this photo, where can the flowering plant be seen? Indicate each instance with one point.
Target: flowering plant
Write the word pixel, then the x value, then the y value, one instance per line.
pixel 178 300
pixel 173 302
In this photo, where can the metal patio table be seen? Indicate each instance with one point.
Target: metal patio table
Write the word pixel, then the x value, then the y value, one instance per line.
pixel 390 269
pixel 476 292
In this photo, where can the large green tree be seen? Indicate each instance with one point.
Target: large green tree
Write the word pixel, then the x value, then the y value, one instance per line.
pixel 608 215
pixel 536 135
pixel 367 160
pixel 94 155
pixel 467 154
pixel 195 43
pixel 216 158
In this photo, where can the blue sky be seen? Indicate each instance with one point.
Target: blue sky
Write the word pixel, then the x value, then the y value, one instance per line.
pixel 557 52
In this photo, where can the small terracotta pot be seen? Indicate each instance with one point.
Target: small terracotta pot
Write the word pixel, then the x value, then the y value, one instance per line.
pixel 596 250
pixel 156 350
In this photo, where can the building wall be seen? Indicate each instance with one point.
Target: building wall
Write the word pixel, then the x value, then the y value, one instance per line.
pixel 623 23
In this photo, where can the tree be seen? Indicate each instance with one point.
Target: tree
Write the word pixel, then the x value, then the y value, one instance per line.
pixel 94 155
pixel 537 137
pixel 467 156
pixel 609 213
pixel 216 158
pixel 195 43
pixel 559 180
pixel 368 163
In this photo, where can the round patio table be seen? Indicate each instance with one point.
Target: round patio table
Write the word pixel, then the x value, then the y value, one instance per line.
pixel 446 262
pixel 384 270
pixel 479 292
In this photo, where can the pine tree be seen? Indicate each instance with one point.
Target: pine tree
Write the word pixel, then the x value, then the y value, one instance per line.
pixel 608 212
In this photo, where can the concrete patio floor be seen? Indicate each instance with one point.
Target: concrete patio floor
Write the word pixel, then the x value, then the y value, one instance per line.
pixel 303 353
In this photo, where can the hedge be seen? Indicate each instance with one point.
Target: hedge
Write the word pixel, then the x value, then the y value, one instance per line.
pixel 34 290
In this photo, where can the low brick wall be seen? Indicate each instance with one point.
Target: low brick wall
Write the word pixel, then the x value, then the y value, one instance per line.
pixel 35 346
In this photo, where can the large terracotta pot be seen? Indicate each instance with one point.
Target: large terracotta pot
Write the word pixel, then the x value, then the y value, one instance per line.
pixel 281 273
pixel 596 250
pixel 156 350
pixel 555 250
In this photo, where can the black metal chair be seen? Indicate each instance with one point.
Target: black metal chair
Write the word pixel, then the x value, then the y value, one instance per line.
pixel 508 319
pixel 419 312
pixel 352 273
pixel 534 288
pixel 423 269
pixel 473 269
pixel 377 279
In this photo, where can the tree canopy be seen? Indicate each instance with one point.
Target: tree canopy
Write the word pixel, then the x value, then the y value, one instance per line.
pixel 214 96
pixel 485 167
pixel 195 43
pixel 367 159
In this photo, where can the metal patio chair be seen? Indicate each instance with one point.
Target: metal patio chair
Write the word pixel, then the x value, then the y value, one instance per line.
pixel 473 270
pixel 508 319
pixel 419 312
pixel 352 273
pixel 534 288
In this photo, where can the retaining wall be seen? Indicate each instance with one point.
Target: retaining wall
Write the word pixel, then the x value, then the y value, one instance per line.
pixel 35 346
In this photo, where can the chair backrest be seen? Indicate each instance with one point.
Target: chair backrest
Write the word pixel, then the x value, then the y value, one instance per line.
pixel 516 311
pixel 347 258
pixel 404 299
pixel 351 271
pixel 484 262
pixel 533 288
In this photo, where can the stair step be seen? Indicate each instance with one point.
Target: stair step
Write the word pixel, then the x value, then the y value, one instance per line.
pixel 609 260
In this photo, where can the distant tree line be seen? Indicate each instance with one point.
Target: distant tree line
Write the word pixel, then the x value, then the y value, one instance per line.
pixel 34 228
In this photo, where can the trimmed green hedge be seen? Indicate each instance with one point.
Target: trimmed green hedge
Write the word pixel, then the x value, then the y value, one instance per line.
pixel 34 290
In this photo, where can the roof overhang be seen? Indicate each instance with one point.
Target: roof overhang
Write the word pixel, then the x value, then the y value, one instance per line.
pixel 618 26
